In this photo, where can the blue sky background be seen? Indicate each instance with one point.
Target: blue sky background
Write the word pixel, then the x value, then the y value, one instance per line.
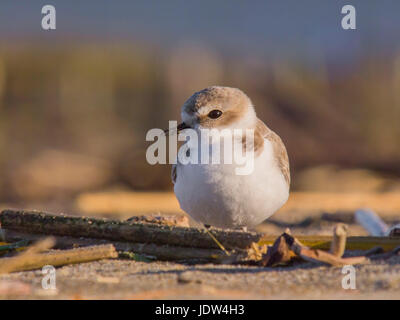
pixel 290 27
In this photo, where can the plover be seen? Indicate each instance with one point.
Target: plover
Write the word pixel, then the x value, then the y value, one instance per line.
pixel 214 194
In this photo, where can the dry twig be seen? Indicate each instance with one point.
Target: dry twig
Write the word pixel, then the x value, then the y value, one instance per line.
pixel 12 264
pixel 161 252
pixel 43 223
pixel 319 256
pixel 338 245
pixel 31 260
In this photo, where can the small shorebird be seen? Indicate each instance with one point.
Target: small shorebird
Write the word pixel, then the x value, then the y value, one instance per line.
pixel 214 194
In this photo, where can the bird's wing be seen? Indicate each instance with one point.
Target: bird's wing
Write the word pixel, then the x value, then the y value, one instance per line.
pixel 279 148
pixel 174 170
pixel 173 173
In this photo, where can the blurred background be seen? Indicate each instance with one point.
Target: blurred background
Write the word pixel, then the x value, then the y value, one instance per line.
pixel 77 102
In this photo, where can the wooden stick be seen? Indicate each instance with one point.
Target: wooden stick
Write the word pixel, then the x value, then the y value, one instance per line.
pixel 44 223
pixel 15 245
pixel 41 245
pixel 315 242
pixel 33 261
pixel 161 252
pixel 10 264
pixel 338 245
pixel 320 256
pixel 353 243
pixel 181 220
pixel 286 246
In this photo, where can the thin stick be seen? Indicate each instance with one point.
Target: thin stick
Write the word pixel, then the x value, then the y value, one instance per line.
pixel 217 242
pixel 352 243
pixel 338 245
pixel 40 246
pixel 15 245
pixel 33 261
pixel 10 264
pixel 319 256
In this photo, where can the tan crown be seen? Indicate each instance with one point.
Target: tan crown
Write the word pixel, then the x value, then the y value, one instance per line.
pixel 231 101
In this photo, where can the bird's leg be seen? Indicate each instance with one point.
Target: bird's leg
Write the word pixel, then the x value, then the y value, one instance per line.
pixel 219 244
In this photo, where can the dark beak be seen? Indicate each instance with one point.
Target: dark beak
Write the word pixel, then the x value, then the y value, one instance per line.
pixel 180 127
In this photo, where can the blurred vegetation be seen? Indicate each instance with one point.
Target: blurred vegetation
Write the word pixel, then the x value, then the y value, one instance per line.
pixel 74 119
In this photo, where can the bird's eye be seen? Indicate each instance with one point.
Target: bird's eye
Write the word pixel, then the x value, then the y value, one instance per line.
pixel 214 114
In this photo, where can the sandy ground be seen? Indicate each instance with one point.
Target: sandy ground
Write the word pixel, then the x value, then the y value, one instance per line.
pixel 127 279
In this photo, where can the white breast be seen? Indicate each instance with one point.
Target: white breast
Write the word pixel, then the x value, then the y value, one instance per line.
pixel 214 194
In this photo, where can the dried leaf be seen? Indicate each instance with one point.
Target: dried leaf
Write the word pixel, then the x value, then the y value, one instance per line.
pixel 279 253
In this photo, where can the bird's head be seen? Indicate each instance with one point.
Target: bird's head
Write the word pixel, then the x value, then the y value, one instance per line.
pixel 218 108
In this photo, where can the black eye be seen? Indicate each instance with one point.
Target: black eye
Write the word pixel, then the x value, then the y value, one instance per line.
pixel 214 114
